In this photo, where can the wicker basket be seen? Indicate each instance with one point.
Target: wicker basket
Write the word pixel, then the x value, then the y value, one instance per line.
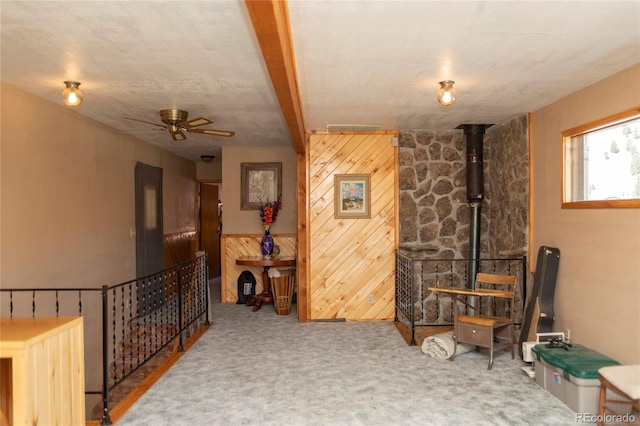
pixel 282 288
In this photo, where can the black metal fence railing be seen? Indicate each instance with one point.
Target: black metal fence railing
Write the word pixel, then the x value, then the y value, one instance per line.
pixel 416 306
pixel 136 319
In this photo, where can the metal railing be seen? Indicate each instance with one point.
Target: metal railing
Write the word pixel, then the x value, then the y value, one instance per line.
pixel 416 306
pixel 138 318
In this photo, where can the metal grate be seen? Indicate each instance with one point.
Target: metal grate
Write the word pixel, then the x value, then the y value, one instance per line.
pixel 416 306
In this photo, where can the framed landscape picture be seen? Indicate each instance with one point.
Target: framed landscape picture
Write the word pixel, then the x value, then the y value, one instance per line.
pixel 259 182
pixel 352 196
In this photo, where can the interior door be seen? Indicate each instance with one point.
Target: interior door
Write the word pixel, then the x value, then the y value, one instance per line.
pixel 149 233
pixel 210 226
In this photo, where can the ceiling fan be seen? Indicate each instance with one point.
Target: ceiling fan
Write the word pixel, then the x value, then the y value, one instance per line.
pixel 176 122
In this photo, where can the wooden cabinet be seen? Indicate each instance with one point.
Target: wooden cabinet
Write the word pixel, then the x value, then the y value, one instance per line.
pixel 42 371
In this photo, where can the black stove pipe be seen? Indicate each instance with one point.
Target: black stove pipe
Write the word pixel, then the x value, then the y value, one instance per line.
pixel 474 135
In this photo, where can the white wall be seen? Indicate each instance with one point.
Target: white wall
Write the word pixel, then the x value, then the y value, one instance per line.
pixel 597 293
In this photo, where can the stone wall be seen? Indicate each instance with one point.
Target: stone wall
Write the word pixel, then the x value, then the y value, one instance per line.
pixel 434 212
pixel 507 181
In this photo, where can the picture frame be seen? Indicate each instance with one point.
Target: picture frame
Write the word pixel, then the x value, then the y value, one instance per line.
pixel 259 183
pixel 352 196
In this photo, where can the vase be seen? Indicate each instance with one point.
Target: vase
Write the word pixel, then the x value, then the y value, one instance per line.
pixel 266 245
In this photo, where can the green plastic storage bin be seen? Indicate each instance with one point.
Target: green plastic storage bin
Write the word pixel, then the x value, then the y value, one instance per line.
pixel 571 374
pixel 577 360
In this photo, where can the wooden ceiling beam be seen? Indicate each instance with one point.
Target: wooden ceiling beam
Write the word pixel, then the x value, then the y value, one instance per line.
pixel 271 24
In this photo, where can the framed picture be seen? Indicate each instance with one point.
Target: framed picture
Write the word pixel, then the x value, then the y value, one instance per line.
pixel 352 196
pixel 260 182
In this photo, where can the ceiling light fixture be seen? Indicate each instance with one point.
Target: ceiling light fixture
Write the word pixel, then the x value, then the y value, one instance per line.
pixel 72 95
pixel 207 158
pixel 447 94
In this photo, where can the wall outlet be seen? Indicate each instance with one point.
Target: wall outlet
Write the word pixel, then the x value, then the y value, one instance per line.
pixel 370 298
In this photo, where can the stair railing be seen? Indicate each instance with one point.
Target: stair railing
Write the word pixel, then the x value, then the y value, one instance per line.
pixel 138 319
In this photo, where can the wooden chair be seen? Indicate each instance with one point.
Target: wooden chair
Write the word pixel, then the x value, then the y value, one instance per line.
pixel 624 383
pixel 493 332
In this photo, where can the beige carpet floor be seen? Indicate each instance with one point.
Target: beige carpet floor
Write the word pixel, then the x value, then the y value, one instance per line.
pixel 258 368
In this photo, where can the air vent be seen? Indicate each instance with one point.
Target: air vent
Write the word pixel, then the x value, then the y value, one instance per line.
pixel 352 127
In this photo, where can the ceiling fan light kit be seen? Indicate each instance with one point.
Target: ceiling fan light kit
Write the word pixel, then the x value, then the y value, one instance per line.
pixel 177 124
pixel 446 94
pixel 72 95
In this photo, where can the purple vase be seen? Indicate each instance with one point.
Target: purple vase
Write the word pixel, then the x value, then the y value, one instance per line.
pixel 266 245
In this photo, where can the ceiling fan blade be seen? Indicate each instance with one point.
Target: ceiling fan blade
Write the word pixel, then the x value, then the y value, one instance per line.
pixel 213 132
pixel 196 122
pixel 178 136
pixel 146 122
pixel 153 129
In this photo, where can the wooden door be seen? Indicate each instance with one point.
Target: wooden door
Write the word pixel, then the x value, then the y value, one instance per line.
pixel 210 226
pixel 149 232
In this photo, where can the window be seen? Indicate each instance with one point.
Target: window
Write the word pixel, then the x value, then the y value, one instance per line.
pixel 601 166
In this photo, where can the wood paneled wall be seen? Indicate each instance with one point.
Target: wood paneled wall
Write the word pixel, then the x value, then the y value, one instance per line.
pixel 235 246
pixel 351 262
pixel 179 247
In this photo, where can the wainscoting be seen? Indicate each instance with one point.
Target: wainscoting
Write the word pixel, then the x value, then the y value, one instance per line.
pixel 235 246
pixel 179 247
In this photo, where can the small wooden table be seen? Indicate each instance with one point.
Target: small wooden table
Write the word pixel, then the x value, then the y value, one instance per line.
pixel 266 297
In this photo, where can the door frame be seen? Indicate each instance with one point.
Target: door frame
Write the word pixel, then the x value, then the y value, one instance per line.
pixel 199 213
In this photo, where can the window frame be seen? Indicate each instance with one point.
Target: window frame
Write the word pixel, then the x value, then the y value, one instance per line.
pixel 588 127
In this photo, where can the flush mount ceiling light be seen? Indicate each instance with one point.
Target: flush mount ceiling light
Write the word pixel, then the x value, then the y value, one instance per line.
pixel 207 158
pixel 447 94
pixel 72 95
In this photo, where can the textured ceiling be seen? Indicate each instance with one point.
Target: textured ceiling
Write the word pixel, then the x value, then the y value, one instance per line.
pixel 358 62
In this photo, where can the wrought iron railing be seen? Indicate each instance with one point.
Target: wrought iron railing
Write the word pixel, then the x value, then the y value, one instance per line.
pixel 416 306
pixel 138 318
